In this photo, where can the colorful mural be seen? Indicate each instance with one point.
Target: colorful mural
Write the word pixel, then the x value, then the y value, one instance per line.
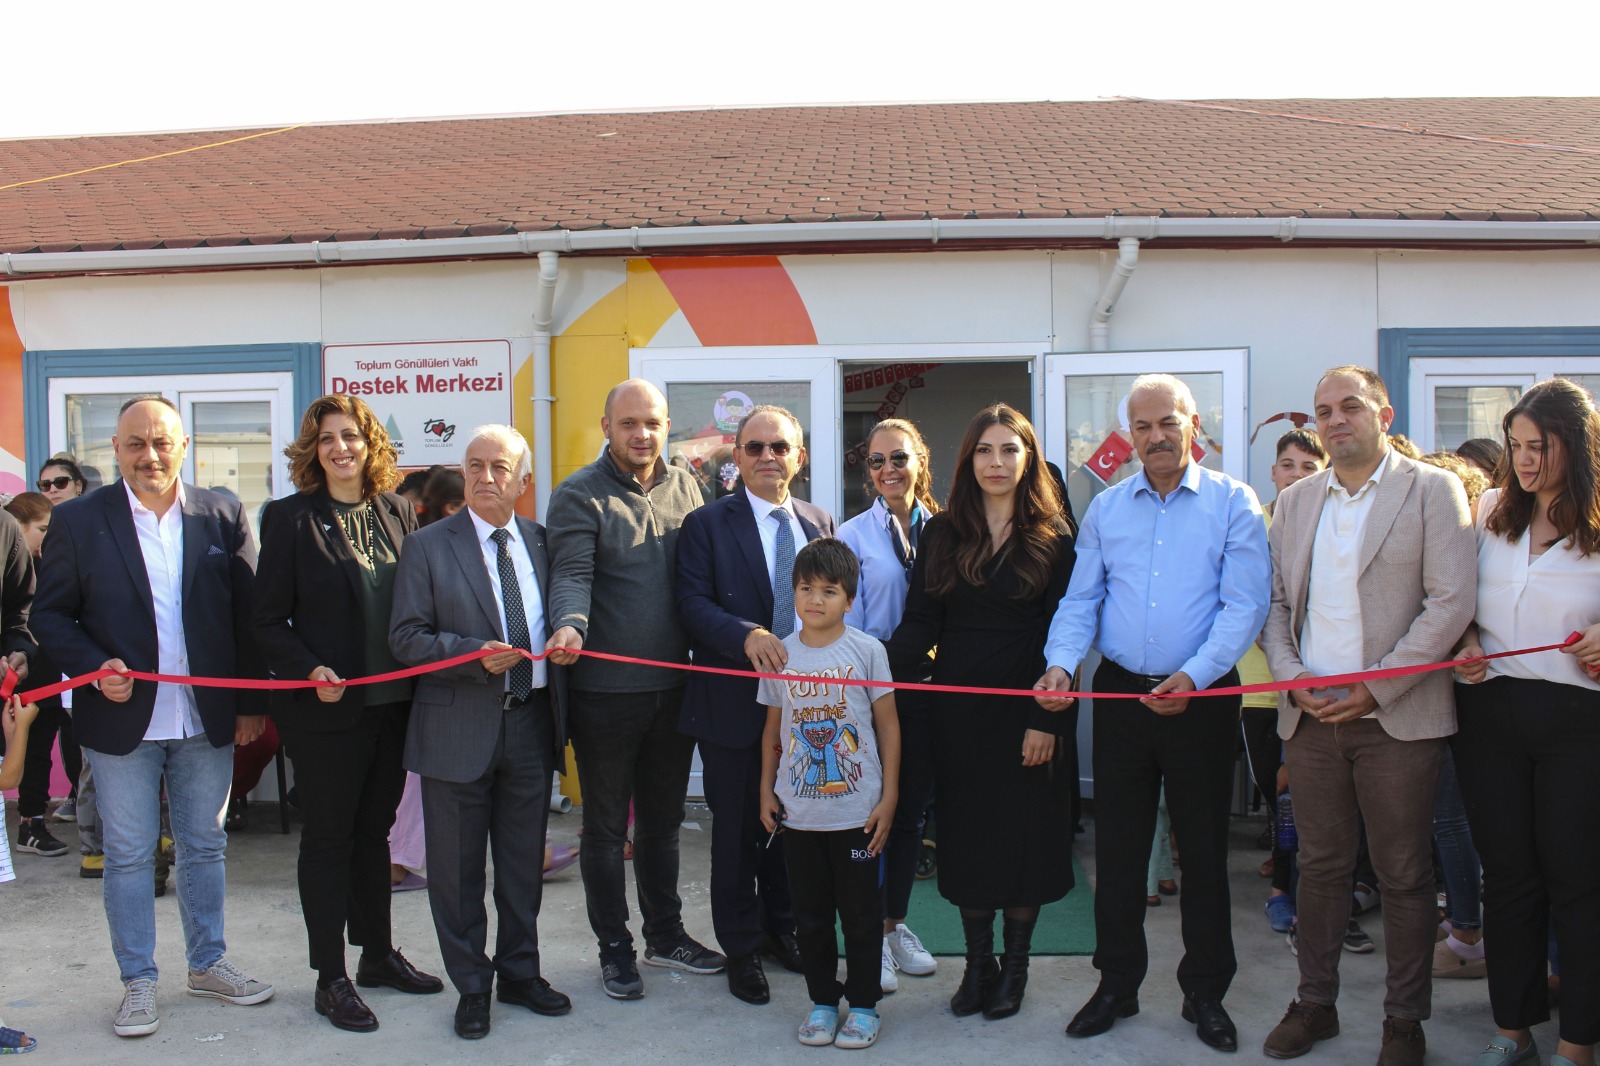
pixel 13 464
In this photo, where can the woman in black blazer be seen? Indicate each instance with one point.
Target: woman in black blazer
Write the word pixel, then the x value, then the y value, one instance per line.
pixel 324 587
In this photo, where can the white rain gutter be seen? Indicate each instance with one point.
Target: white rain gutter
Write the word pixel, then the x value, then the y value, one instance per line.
pixel 544 301
pixel 1100 318
pixel 791 234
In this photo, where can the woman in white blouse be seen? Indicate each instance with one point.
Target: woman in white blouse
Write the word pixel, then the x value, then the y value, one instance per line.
pixel 1528 750
pixel 884 538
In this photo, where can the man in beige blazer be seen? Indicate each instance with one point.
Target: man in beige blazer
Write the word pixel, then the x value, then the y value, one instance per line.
pixel 1374 565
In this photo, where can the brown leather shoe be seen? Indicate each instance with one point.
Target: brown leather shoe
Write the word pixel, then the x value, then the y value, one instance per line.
pixel 1403 1043
pixel 1301 1028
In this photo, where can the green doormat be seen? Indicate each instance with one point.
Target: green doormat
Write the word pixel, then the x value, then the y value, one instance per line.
pixel 1066 927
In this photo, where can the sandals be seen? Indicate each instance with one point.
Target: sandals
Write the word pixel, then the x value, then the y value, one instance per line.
pixel 15 1042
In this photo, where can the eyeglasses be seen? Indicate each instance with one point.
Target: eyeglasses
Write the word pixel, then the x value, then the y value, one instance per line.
pixel 57 483
pixel 899 459
pixel 755 448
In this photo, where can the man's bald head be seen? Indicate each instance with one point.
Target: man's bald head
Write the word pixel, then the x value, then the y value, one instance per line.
pixel 631 387
pixel 636 427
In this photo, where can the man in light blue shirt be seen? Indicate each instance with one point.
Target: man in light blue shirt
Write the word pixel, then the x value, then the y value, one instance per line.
pixel 1171 585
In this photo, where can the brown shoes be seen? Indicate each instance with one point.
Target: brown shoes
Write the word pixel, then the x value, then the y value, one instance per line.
pixel 1403 1043
pixel 1301 1028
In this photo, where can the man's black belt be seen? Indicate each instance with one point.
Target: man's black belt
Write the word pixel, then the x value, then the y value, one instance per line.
pixel 1139 682
pixel 508 702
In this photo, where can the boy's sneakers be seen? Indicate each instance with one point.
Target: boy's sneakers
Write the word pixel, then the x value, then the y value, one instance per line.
pixel 137 1015
pixel 860 1029
pixel 909 954
pixel 66 811
pixel 223 980
pixel 94 866
pixel 818 1028
pixel 1280 912
pixel 32 836
pixel 1356 940
pixel 684 952
pixel 887 981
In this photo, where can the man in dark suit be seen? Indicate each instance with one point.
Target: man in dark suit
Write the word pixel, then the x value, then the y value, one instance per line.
pixel 736 599
pixel 485 736
pixel 155 575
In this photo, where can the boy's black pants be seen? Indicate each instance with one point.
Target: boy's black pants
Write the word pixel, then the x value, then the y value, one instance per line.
pixel 831 873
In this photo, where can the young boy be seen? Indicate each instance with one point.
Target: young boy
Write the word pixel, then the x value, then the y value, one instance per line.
pixel 15 718
pixel 835 790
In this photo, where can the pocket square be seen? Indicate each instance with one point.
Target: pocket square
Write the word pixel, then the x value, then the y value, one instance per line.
pixel 214 550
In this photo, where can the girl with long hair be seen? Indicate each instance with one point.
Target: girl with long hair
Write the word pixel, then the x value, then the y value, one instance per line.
pixel 989 573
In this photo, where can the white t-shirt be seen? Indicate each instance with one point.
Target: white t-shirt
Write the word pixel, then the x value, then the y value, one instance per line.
pixel 829 777
pixel 1528 602
pixel 5 843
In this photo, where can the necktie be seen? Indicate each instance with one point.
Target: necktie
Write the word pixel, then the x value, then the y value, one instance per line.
pixel 783 576
pixel 516 618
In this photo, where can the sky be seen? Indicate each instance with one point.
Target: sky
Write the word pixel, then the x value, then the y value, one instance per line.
pixel 129 66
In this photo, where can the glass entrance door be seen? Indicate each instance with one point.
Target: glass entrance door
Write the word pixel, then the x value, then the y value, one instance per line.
pixel 238 425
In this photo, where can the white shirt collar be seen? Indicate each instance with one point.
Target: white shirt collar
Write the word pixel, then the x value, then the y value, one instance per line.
pixel 485 529
pixel 1373 479
pixel 763 509
pixel 134 502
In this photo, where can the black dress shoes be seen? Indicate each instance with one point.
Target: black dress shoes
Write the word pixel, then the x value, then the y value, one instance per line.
pixel 785 950
pixel 1101 1013
pixel 536 994
pixel 1211 1022
pixel 746 980
pixel 472 1016
pixel 341 1004
pixel 393 971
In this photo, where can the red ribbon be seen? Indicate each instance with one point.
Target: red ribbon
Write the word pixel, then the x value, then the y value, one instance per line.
pixel 1333 680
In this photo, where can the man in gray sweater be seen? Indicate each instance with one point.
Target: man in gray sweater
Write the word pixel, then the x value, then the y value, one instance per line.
pixel 613 529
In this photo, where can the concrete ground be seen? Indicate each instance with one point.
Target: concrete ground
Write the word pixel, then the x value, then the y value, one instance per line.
pixel 59 982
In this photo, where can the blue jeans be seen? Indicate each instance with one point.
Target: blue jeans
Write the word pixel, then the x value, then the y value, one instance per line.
pixel 1463 882
pixel 199 777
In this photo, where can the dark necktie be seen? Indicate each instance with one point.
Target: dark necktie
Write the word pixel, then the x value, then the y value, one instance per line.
pixel 516 618
pixel 783 576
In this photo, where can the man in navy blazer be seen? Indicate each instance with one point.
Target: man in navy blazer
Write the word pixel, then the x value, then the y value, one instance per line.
pixel 151 574
pixel 727 551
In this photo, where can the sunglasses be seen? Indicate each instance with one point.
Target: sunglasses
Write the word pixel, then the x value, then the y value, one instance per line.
pixel 755 448
pixel 57 483
pixel 899 459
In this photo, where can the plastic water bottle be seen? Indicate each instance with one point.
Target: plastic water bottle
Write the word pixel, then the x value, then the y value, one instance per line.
pixel 1288 839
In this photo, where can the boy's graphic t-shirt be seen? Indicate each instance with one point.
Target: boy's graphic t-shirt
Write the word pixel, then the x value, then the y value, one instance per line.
pixel 5 842
pixel 829 776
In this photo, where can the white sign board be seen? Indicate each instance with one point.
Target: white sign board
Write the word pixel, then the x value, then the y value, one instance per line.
pixel 429 395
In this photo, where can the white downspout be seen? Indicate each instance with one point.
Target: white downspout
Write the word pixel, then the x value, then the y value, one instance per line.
pixel 543 402
pixel 1106 306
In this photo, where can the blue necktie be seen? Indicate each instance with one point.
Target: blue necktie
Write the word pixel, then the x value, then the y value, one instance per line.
pixel 516 618
pixel 783 576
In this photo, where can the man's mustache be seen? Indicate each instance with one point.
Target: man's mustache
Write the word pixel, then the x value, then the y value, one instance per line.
pixel 1159 446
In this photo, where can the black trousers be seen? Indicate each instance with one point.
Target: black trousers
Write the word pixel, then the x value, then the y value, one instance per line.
pixel 34 794
pixel 831 873
pixel 1135 752
pixel 1526 754
pixel 916 793
pixel 350 782
pixel 749 886
pixel 504 813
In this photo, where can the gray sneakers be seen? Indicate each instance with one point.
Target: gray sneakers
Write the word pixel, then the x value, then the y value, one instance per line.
pixel 137 1015
pixel 225 981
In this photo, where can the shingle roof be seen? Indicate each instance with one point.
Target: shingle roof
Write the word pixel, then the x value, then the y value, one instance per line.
pixel 1439 159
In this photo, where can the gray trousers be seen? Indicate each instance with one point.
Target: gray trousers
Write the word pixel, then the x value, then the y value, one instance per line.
pixel 504 814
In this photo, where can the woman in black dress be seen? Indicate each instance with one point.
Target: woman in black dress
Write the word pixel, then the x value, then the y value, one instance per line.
pixel 991 569
pixel 324 588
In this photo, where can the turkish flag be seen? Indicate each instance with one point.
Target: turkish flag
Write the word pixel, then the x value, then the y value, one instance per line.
pixel 1109 457
pixel 1197 451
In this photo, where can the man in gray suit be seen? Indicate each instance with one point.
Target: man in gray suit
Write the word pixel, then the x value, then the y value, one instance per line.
pixel 1374 566
pixel 484 736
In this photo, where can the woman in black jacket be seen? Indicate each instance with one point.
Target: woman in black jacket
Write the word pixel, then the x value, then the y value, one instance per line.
pixel 324 588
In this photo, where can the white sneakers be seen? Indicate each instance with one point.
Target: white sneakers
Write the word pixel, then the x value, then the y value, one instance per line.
pixel 908 953
pixel 225 981
pixel 886 976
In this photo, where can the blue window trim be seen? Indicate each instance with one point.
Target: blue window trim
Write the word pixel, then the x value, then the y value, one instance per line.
pixel 303 360
pixel 1397 347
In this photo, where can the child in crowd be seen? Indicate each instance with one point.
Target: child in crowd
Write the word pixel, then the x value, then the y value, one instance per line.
pixel 15 719
pixel 836 791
